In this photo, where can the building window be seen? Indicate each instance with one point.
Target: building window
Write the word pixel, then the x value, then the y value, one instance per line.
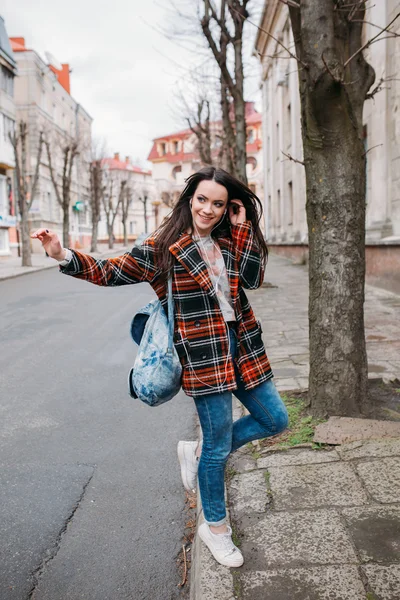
pixel 252 164
pixel 290 198
pixel 7 81
pixel 132 227
pixel 175 170
pixel 163 149
pixel 3 240
pixel 8 128
pixel 250 136
pixel 176 147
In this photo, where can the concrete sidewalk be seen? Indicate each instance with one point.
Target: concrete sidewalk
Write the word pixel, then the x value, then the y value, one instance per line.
pixel 312 524
pixel 11 266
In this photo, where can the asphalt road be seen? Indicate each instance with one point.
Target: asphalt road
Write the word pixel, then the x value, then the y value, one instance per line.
pixel 91 502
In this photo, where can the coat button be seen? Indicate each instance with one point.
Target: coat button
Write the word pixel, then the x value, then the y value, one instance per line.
pixel 197 323
pixel 204 356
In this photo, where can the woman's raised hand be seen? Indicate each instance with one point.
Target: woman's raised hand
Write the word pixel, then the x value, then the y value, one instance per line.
pixel 50 243
pixel 237 212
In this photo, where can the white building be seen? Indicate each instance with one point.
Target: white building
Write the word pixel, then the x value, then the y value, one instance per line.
pixel 43 100
pixel 141 189
pixel 175 157
pixel 8 69
pixel 284 180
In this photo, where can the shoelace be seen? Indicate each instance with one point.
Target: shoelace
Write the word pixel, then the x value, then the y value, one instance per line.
pixel 230 547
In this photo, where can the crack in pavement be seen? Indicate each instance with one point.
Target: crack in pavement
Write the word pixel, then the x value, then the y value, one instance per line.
pixel 52 553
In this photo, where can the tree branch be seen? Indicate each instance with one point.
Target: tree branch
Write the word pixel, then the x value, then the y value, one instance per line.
pixel 290 157
pixel 275 39
pixel 367 44
pixel 53 179
pixel 37 167
pixel 369 149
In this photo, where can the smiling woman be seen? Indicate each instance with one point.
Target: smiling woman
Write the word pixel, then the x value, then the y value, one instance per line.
pixel 211 247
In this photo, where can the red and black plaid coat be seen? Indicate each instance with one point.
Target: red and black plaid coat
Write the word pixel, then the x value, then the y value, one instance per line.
pixel 201 335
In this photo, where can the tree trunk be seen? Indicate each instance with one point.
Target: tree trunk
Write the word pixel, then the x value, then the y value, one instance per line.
pixel 66 227
pixel 145 214
pixel 125 233
pixel 25 240
pixel 335 180
pixel 95 232
pixel 332 98
pixel 110 236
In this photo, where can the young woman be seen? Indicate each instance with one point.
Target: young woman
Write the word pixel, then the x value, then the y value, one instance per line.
pixel 213 247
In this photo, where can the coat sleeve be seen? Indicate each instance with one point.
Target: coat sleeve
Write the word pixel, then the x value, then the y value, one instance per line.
pixel 132 267
pixel 251 268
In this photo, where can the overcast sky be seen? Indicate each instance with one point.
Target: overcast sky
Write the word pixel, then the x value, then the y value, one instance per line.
pixel 124 72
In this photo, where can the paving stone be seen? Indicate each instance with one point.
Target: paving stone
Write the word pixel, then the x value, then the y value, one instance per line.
pixel 248 493
pixel 382 478
pixel 284 385
pixel 371 448
pixel 297 539
pixel 316 583
pixel 286 372
pixel 384 581
pixel 339 430
pixel 376 532
pixel 334 484
pixel 297 457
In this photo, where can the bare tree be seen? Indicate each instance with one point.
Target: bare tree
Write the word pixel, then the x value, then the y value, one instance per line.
pixel 27 183
pixel 334 81
pixel 111 205
pixel 220 30
pixel 69 150
pixel 144 198
pixel 97 189
pixel 126 202
pixel 199 124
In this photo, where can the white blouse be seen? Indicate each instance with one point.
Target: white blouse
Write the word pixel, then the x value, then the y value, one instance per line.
pixel 212 256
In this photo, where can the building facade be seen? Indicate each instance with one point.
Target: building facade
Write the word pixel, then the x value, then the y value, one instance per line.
pixel 8 71
pixel 175 157
pixel 140 187
pixel 43 100
pixel 284 179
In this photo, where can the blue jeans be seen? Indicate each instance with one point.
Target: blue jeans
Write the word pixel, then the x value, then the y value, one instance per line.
pixel 268 416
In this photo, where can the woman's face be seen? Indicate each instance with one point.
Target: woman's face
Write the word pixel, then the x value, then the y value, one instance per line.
pixel 208 206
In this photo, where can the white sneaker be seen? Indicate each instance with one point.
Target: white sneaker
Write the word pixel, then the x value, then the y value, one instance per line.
pixel 221 546
pixel 189 464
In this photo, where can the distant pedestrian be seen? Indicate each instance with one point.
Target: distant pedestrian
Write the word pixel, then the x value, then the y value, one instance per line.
pixel 213 247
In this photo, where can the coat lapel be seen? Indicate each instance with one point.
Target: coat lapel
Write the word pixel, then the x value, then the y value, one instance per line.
pixel 227 250
pixel 186 252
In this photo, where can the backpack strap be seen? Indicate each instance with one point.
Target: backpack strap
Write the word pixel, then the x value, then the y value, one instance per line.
pixel 170 316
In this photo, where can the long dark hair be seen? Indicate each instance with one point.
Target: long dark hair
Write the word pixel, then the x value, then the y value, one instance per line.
pixel 180 218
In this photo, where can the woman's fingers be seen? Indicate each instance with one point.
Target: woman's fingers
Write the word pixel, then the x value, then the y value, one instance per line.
pixel 40 233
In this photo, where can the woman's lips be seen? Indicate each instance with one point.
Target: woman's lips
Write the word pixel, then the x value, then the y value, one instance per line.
pixel 206 219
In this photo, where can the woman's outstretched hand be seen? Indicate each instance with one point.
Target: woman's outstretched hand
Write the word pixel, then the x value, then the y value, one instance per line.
pixel 50 243
pixel 237 212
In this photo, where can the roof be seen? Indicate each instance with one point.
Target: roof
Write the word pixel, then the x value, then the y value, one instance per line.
pixel 6 50
pixel 18 45
pixel 114 163
pixel 253 117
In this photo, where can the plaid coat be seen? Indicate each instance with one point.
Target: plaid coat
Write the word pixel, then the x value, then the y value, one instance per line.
pixel 201 335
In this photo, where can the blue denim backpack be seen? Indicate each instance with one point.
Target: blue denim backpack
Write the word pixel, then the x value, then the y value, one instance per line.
pixel 156 374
